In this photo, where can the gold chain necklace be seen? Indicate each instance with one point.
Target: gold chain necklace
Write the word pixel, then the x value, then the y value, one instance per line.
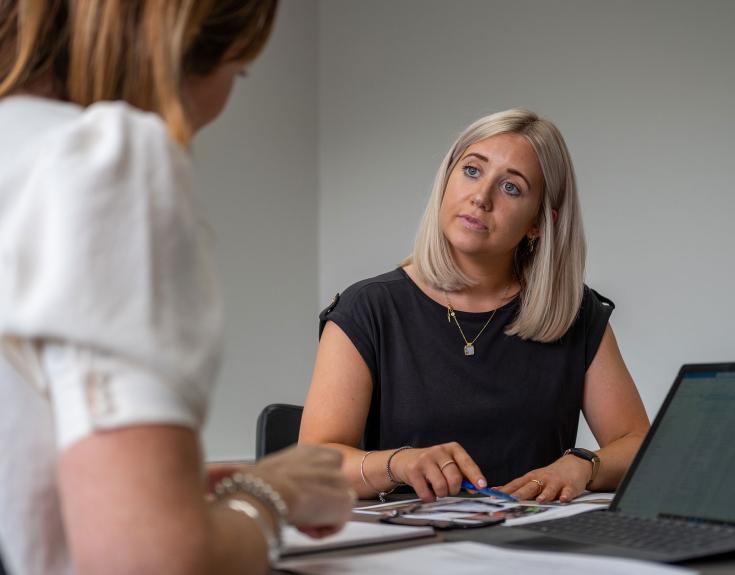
pixel 469 346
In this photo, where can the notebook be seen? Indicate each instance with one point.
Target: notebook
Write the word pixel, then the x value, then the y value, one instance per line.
pixel 354 534
pixel 677 501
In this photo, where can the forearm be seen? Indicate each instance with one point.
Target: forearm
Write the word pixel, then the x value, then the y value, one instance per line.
pixel 615 458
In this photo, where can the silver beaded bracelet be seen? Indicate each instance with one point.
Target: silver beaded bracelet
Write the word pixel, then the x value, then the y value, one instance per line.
pixel 263 492
pixel 255 486
pixel 272 540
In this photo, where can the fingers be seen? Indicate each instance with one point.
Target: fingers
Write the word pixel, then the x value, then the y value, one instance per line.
pixel 467 466
pixel 528 490
pixel 319 532
pixel 540 486
pixel 549 492
pixel 437 480
pixel 453 477
pixel 438 471
pixel 529 486
pixel 567 494
pixel 516 484
pixel 415 477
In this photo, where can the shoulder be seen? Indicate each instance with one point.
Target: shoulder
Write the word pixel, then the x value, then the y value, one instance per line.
pixel 106 145
pixel 594 301
pixel 108 163
pixel 376 285
pixel 115 139
pixel 594 314
pixel 372 289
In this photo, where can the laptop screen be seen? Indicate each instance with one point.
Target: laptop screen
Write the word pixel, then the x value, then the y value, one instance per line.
pixel 687 467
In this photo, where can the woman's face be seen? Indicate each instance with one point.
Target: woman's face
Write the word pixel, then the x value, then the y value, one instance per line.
pixel 205 96
pixel 492 198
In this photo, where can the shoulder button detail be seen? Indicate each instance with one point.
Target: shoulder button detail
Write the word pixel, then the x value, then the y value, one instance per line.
pixel 333 303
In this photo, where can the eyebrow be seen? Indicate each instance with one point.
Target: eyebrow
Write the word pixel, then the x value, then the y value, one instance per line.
pixel 510 170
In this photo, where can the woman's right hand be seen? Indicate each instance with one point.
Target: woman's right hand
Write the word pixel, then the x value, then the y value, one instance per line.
pixel 436 471
pixel 310 480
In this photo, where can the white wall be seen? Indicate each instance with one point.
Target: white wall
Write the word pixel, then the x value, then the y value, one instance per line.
pixel 317 174
pixel 643 92
pixel 257 169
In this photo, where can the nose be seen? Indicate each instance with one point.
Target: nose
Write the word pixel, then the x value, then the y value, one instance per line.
pixel 482 202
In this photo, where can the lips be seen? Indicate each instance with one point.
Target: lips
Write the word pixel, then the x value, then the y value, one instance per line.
pixel 473 223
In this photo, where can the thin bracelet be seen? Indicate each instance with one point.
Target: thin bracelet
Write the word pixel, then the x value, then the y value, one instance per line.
pixel 272 538
pixel 388 470
pixel 381 494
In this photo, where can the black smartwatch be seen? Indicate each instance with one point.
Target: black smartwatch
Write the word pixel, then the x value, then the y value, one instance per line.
pixel 587 455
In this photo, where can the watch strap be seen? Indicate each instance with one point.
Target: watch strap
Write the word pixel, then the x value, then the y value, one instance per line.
pixel 587 455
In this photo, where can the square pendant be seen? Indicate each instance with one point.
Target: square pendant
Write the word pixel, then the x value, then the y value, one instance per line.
pixel 469 349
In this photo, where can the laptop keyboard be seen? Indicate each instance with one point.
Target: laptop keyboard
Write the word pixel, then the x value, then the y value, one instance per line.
pixel 613 528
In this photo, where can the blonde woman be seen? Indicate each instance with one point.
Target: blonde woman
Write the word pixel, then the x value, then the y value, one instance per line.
pixel 474 359
pixel 109 309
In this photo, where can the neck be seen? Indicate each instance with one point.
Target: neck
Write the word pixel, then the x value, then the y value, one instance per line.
pixel 40 87
pixel 495 284
pixel 489 274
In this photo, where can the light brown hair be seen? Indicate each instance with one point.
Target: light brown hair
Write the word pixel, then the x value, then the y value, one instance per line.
pixel 132 50
pixel 551 275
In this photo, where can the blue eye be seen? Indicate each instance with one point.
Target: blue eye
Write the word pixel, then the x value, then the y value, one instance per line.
pixel 471 171
pixel 511 189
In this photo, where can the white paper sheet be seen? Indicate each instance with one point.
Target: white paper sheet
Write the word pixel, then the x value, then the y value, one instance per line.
pixel 468 558
pixel 355 533
pixel 378 508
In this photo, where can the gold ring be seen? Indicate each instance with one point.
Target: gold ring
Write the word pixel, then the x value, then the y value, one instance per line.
pixel 538 482
pixel 449 462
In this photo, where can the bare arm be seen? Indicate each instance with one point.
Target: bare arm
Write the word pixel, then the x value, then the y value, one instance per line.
pixel 336 408
pixel 335 415
pixel 614 411
pixel 618 420
pixel 133 502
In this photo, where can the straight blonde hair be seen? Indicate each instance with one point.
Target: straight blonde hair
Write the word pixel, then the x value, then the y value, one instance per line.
pixel 132 50
pixel 551 275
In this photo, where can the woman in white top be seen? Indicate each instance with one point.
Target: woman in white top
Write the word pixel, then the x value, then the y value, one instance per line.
pixel 109 308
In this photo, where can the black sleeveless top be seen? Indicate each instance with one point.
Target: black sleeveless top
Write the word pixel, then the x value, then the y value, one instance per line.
pixel 513 406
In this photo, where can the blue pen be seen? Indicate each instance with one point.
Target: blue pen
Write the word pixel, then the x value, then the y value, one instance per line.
pixel 467 486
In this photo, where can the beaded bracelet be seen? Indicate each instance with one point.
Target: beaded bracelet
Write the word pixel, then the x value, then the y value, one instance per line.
pixel 263 492
pixel 272 540
pixel 255 486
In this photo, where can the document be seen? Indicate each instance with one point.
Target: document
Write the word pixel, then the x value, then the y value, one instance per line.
pixel 355 533
pixel 378 508
pixel 514 513
pixel 467 558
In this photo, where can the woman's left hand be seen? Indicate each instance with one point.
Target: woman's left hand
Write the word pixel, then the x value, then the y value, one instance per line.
pixel 564 479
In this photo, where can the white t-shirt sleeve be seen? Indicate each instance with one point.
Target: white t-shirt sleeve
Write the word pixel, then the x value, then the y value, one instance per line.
pixel 94 392
pixel 109 299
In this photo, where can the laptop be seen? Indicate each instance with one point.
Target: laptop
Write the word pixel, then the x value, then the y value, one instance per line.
pixel 677 500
